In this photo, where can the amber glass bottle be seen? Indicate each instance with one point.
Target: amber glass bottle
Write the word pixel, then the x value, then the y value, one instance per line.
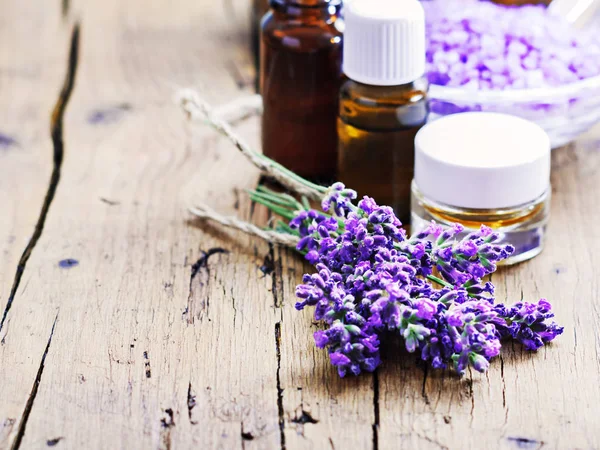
pixel 259 9
pixel 522 2
pixel 301 51
pixel 384 103
pixel 377 127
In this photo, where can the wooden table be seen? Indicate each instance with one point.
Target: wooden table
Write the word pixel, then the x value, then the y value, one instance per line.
pixel 128 325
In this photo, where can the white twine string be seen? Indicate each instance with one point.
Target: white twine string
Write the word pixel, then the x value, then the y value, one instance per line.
pixel 199 110
pixel 240 109
pixel 205 212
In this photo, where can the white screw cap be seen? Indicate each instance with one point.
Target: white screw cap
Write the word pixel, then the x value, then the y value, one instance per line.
pixel 482 160
pixel 384 41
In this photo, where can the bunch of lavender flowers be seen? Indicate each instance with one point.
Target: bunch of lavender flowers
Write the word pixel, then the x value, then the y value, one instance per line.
pixel 371 279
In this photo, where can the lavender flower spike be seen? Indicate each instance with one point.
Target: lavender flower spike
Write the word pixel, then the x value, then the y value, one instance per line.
pixel 429 289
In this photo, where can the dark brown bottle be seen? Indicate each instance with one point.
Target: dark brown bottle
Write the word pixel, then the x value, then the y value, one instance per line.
pixel 259 9
pixel 377 128
pixel 522 2
pixel 301 51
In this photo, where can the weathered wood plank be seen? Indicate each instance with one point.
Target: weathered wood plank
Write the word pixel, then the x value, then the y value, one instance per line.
pixel 33 61
pixel 142 349
pixel 321 410
pixel 172 334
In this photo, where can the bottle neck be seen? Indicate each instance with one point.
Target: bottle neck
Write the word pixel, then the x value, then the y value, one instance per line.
pixel 305 3
pixel 318 9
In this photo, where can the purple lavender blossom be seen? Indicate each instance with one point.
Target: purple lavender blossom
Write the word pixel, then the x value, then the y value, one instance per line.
pixel 351 349
pixel 371 278
pixel 527 323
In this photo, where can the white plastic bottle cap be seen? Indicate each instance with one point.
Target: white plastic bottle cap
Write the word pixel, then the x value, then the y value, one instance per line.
pixel 482 161
pixel 384 41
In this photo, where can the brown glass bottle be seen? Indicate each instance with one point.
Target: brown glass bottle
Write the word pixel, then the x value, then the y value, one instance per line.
pixel 301 47
pixel 259 9
pixel 377 127
pixel 522 2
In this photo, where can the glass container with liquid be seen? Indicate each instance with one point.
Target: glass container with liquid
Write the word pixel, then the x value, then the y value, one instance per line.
pixel 383 104
pixel 300 76
pixel 522 2
pixel 484 169
pixel 257 12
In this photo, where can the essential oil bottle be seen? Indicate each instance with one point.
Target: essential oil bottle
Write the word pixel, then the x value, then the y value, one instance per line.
pixel 485 168
pixel 522 2
pixel 257 12
pixel 383 103
pixel 301 54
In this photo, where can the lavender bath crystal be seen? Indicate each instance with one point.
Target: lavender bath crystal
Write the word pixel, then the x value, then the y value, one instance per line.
pixel 480 45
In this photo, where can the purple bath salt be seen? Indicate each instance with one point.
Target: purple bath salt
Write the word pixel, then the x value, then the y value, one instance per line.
pixel 480 45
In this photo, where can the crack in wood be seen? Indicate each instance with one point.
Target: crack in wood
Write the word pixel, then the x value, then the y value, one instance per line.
pixel 431 441
pixel 273 277
pixel 503 382
pixel 268 265
pixel 246 435
pixel 191 403
pixel 252 209
pixel 109 202
pixel 279 388
pixel 197 267
pixel 236 202
pixel 147 367
pixel 424 386
pixel 276 275
pixel 241 74
pixel 302 416
pixel 470 385
pixel 34 390
pixel 166 423
pixel 56 124
pixel 202 262
pixel 375 410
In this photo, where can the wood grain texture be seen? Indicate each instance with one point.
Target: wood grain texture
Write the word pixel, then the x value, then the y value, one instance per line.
pixel 169 333
pixel 33 58
pixel 146 357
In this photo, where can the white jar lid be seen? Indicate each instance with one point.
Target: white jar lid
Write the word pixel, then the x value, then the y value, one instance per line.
pixel 384 41
pixel 482 160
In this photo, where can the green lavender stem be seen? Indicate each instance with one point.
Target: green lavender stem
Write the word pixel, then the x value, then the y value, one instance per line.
pixel 439 281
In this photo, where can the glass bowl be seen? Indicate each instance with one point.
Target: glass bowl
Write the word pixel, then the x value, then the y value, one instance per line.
pixel 564 112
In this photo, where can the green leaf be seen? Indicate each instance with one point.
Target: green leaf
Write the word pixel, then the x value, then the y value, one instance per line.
pixel 272 198
pixel 277 209
pixel 305 203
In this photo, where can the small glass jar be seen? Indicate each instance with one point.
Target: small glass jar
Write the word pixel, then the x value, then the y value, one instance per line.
pixel 484 169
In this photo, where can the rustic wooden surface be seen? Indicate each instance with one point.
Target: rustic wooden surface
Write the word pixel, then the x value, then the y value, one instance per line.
pixel 171 334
